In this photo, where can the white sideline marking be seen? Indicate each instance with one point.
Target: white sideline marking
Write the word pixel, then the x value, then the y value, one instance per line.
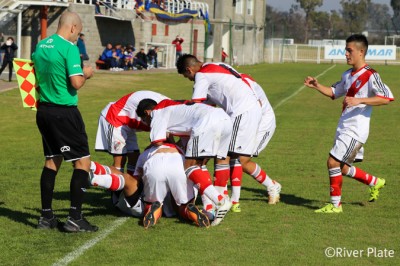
pixel 299 90
pixel 79 251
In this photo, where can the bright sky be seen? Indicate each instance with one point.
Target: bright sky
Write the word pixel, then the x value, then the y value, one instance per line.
pixel 284 5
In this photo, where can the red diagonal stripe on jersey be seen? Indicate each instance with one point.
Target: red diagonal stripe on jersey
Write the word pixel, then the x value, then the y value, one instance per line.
pixel 222 69
pixel 166 103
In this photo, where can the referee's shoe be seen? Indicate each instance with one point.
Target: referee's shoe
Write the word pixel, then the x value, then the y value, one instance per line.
pixel 81 225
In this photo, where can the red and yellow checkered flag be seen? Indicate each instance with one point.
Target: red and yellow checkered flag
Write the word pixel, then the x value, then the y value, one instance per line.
pixel 27 82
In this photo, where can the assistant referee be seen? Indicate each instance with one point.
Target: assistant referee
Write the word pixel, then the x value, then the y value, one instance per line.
pixel 59 75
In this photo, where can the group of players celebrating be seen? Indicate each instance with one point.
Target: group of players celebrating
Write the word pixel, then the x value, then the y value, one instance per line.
pixel 184 135
pixel 172 172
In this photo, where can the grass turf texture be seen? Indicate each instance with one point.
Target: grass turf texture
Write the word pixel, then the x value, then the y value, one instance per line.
pixel 289 233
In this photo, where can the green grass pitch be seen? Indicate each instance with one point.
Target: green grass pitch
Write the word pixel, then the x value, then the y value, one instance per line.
pixel 289 233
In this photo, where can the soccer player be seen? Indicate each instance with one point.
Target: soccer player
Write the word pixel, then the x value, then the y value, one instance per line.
pixel 222 85
pixel 209 130
pixel 118 123
pixel 362 88
pixel 60 76
pixel 130 201
pixel 161 170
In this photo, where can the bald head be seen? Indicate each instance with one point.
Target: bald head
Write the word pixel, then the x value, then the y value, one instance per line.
pixel 69 26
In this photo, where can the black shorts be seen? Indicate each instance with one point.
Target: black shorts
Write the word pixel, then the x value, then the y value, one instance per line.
pixel 63 131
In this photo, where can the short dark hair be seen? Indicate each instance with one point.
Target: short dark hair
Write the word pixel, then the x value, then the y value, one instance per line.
pixel 184 61
pixel 145 104
pixel 359 38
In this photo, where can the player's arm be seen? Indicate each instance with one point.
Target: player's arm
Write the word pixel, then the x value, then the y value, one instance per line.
pixel 312 83
pixel 373 101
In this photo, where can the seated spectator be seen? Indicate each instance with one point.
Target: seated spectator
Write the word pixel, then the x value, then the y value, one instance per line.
pixel 152 55
pixel 128 58
pixel 140 60
pixel 108 58
pixel 119 56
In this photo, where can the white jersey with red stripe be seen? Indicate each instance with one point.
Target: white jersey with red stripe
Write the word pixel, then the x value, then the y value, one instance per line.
pixel 123 111
pixel 364 83
pixel 224 86
pixel 177 118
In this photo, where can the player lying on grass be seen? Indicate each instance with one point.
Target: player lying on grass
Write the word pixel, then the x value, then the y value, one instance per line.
pixel 209 130
pixel 362 88
pixel 159 178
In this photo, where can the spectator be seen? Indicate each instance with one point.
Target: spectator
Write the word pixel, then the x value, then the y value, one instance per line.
pixel 97 8
pixel 107 57
pixel 128 58
pixel 152 55
pixel 82 48
pixel 9 48
pixel 140 60
pixel 178 46
pixel 119 56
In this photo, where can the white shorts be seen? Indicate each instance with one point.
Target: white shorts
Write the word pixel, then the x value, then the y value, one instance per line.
pixel 211 137
pixel 245 130
pixel 345 149
pixel 164 172
pixel 115 140
pixel 265 131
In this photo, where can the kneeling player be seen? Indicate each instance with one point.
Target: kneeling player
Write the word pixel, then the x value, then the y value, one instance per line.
pixel 161 170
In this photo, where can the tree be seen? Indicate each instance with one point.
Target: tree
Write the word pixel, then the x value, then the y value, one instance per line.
pixel 309 7
pixel 379 22
pixel 355 14
pixel 395 4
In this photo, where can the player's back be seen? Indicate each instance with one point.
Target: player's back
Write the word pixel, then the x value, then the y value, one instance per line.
pixel 224 86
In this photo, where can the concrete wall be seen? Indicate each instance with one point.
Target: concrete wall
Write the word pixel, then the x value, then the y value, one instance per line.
pixel 241 35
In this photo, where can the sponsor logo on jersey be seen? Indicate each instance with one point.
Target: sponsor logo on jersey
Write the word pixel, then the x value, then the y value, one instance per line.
pixel 49 40
pixel 358 84
pixel 46 46
pixel 65 148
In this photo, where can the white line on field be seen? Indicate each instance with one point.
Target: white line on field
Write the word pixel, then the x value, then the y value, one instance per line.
pixel 79 251
pixel 299 90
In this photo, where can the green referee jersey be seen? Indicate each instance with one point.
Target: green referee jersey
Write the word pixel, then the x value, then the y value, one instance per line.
pixel 55 60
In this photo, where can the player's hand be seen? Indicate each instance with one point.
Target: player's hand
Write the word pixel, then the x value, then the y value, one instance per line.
pixel 311 82
pixel 88 72
pixel 351 101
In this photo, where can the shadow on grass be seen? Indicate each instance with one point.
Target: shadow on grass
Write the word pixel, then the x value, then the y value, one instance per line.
pixel 289 199
pixel 17 216
pixel 99 204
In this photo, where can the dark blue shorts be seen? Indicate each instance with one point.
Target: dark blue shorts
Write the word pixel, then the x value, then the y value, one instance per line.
pixel 63 131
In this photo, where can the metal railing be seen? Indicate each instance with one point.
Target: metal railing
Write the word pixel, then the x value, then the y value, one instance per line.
pixel 309 53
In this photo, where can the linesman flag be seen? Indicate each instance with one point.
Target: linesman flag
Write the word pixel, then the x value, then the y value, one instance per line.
pixel 27 82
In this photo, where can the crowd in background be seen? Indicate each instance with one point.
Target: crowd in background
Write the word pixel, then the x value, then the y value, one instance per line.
pixel 120 58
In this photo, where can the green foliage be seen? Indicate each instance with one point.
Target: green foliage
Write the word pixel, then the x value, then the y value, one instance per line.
pixel 289 233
